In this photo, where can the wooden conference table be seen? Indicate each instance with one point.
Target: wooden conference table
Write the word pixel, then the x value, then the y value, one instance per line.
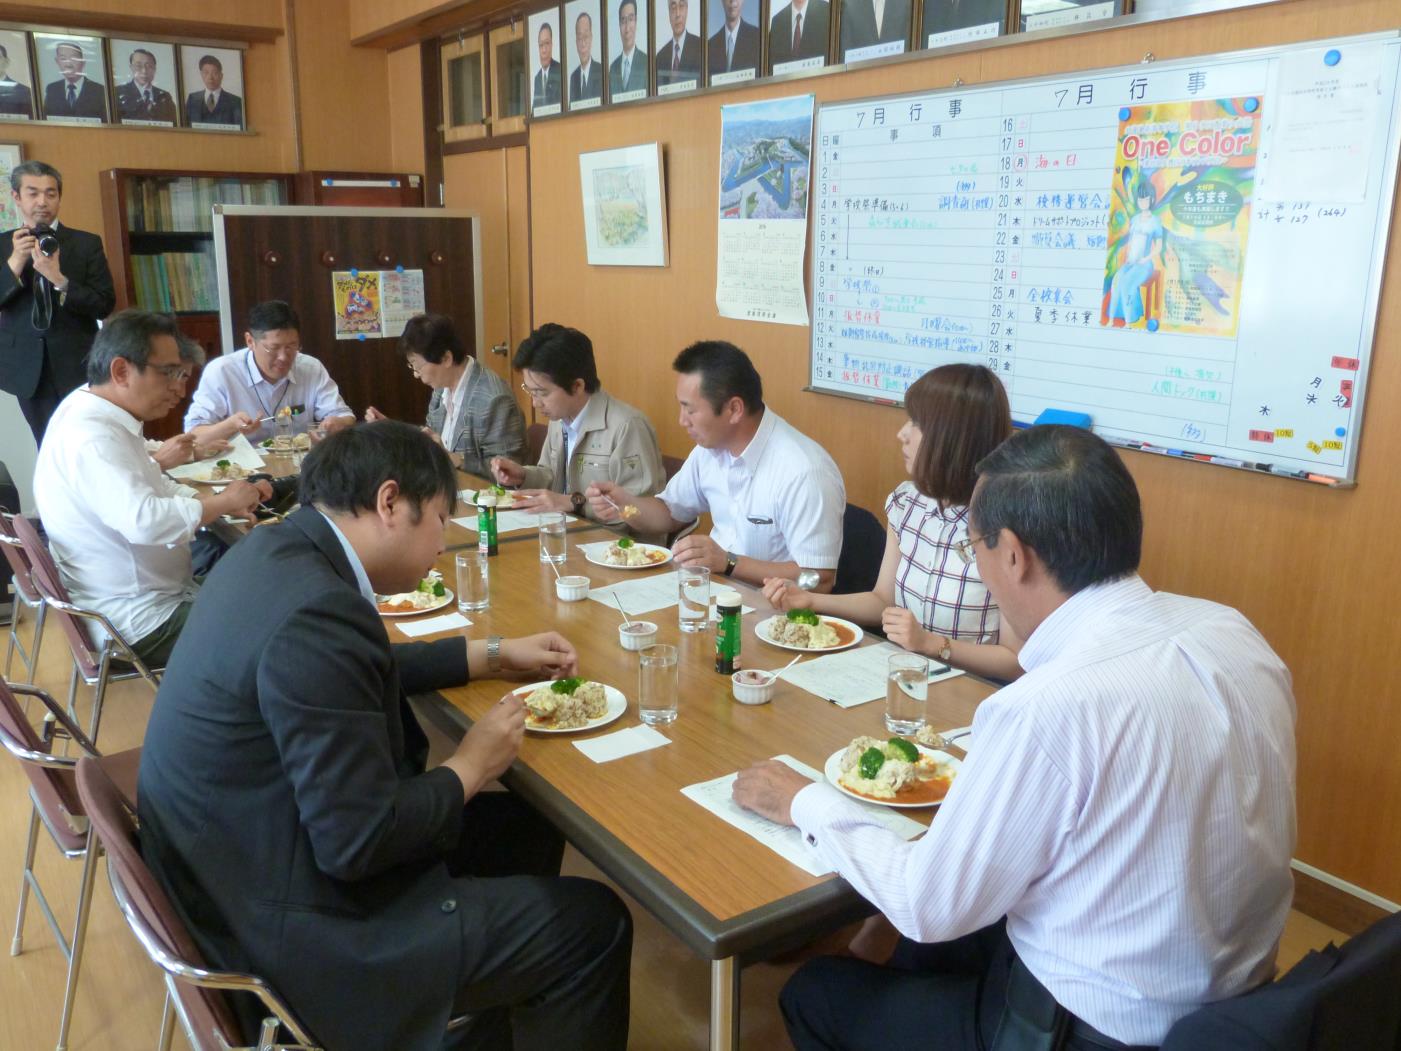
pixel 730 898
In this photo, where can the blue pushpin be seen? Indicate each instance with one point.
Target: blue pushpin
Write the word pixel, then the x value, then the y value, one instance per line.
pixel 399 269
pixel 1251 105
pixel 1332 57
pixel 1125 113
pixel 354 272
pixel 1152 325
pixel 1340 431
pixel 360 336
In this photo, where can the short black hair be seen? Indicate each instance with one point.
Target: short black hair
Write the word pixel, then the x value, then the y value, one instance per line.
pixel 272 315
pixel 725 371
pixel 432 337
pixel 563 354
pixel 583 15
pixel 140 51
pixel 68 43
pixel 1066 494
pixel 545 27
pixel 35 170
pixel 128 334
pixel 345 471
pixel 211 60
pixel 627 3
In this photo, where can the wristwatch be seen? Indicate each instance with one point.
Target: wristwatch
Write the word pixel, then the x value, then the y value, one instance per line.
pixel 493 653
pixel 946 651
pixel 577 499
pixel 731 560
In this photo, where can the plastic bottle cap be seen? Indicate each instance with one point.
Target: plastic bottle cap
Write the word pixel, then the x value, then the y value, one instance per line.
pixel 729 598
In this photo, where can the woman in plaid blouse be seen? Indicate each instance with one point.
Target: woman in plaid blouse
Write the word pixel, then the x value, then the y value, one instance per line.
pixel 929 598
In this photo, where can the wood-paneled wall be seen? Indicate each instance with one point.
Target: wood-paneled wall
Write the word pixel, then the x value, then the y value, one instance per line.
pixel 1314 569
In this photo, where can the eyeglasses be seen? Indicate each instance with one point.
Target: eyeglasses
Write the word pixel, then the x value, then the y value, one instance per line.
pixel 174 373
pixel 964 548
pixel 539 393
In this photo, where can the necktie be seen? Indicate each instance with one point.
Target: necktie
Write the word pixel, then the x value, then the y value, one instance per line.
pixel 72 97
pixel 146 100
pixel 675 56
pixel 562 468
pixel 627 64
pixel 209 101
pixel 797 31
pixel 583 81
pixel 729 50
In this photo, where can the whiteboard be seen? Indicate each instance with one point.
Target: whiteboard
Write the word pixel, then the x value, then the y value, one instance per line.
pixel 1188 252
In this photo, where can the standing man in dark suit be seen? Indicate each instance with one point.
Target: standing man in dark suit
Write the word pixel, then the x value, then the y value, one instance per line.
pixel 679 59
pixel 799 31
pixel 286 808
pixel 546 83
pixel 74 95
pixel 868 22
pixel 49 304
pixel 586 82
pixel 139 98
pixel 213 105
pixel 735 45
pixel 627 72
pixel 14 96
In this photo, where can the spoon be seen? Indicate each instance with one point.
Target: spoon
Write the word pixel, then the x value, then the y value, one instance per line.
pixel 626 619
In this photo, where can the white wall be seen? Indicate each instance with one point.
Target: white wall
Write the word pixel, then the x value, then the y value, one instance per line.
pixel 17 449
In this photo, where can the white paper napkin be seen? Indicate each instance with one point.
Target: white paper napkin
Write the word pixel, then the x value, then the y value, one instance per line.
pixel 625 742
pixel 433 625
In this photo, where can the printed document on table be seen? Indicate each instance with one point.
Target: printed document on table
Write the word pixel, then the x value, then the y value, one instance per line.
pixel 784 840
pixel 855 676
pixel 639 596
pixel 509 521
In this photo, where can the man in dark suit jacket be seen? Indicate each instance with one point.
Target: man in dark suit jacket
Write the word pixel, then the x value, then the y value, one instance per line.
pixel 859 27
pixel 213 105
pixel 813 18
pixel 139 98
pixel 14 96
pixel 634 77
pixel 285 805
pixel 49 305
pixel 74 95
pixel 586 82
pixel 679 59
pixel 744 54
pixel 545 85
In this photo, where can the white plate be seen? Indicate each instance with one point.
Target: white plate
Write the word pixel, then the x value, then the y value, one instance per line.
pixel 833 770
pixel 589 550
pixel 447 597
pixel 617 705
pixel 762 629
pixel 504 502
pixel 205 479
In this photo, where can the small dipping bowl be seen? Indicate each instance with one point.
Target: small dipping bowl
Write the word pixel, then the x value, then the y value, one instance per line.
pixel 638 635
pixel 572 589
pixel 752 686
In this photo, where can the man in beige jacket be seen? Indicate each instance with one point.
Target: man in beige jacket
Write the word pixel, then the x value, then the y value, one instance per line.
pixel 592 437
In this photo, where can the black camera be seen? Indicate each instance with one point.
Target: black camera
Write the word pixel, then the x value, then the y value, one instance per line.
pixel 48 242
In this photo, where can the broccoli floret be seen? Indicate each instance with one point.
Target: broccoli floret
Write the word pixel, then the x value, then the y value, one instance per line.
pixel 566 685
pixel 438 589
pixel 899 748
pixel 625 542
pixel 803 616
pixel 872 759
pixel 223 463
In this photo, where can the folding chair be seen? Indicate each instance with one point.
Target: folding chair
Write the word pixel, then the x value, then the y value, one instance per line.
pixel 55 804
pixel 27 596
pixel 92 661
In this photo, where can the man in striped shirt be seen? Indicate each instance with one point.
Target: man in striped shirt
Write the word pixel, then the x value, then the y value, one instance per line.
pixel 1115 852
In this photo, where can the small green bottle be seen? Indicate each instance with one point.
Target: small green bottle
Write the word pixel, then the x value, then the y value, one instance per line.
pixel 486 523
pixel 728 605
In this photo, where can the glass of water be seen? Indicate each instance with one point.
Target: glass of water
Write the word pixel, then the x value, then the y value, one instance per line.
pixel 693 597
pixel 906 692
pixel 473 581
pixel 553 547
pixel 657 685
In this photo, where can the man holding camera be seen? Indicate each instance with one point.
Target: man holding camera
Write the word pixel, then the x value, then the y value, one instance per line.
pixel 54 289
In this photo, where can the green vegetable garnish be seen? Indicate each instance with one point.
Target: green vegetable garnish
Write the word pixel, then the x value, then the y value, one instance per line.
pixel 802 616
pixel 625 542
pixel 566 685
pixel 899 748
pixel 223 463
pixel 499 490
pixel 872 759
pixel 438 590
pixel 266 443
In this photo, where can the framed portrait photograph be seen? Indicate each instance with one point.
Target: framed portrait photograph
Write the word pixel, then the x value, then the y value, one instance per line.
pixel 16 76
pixel 624 206
pixel 74 76
pixel 1049 14
pixel 949 22
pixel 11 156
pixel 628 33
pixel 545 48
pixel 145 75
pixel 676 45
pixel 798 31
pixel 732 44
pixel 873 29
pixel 212 79
pixel 585 87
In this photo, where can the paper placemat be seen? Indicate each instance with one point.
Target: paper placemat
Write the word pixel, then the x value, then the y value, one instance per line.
pixel 510 521
pixel 855 676
pixel 433 625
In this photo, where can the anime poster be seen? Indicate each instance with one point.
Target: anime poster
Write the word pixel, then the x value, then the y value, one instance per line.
pixel 1179 213
pixel 357 299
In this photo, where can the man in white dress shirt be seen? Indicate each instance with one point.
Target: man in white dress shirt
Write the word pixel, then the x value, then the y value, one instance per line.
pixel 119 529
pixel 774 496
pixel 240 391
pixel 1115 851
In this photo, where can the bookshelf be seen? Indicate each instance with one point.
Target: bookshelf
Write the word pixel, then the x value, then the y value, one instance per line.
pixel 158 230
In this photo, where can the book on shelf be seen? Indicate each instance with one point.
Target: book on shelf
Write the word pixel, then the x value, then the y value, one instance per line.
pixel 185 204
pixel 176 281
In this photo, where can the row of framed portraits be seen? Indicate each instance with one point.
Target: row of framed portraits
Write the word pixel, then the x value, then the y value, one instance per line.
pixel 69 78
pixel 586 53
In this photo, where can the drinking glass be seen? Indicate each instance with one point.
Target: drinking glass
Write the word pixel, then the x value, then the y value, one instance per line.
pixel 906 692
pixel 553 547
pixel 473 581
pixel 693 597
pixel 657 685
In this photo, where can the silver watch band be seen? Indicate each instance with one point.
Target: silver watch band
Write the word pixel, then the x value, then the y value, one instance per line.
pixel 493 653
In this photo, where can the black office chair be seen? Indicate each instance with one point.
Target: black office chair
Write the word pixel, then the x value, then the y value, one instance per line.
pixel 1340 998
pixel 863 547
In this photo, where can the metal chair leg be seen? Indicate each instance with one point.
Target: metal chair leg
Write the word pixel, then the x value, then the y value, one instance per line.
pixel 167 1022
pixel 99 691
pixel 80 928
pixel 15 606
pixel 17 946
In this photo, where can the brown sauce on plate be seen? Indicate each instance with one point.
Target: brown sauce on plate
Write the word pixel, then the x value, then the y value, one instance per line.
pixel 921 792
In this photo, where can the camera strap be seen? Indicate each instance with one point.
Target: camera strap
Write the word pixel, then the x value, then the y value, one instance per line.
pixel 41 310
